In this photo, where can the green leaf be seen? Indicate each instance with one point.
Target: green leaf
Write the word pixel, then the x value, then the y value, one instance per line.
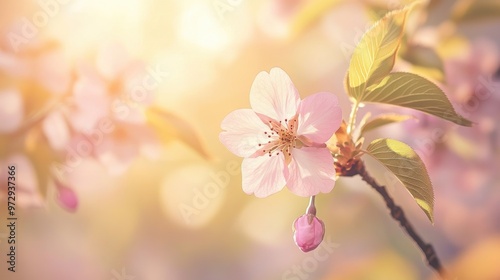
pixel 383 120
pixel 407 166
pixel 473 10
pixel 415 92
pixel 171 127
pixel 374 56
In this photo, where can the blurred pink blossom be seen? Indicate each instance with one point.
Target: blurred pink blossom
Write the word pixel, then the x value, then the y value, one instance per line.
pixel 108 93
pixel 43 73
pixel 469 76
pixel 464 161
pixel 56 130
pixel 108 89
pixel 121 147
pixel 11 110
pixel 45 65
pixel 282 138
pixel 42 69
pixel 275 17
pixel 475 95
pixel 95 109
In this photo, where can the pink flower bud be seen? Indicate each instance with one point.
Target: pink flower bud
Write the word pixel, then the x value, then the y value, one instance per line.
pixel 308 232
pixel 66 197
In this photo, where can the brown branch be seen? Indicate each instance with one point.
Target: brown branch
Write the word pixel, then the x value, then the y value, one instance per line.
pixel 398 214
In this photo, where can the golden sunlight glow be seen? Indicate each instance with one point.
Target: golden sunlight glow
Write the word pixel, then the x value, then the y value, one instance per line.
pixel 201 27
pixel 191 201
pixel 262 220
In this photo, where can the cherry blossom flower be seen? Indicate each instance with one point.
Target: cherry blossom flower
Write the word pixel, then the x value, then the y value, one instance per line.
pixel 71 112
pixel 41 71
pixel 282 138
pixel 106 89
pixel 104 93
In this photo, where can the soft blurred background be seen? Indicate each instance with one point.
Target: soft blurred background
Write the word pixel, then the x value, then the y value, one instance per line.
pixel 110 111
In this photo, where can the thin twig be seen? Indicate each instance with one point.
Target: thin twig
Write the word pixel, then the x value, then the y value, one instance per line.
pixel 352 118
pixel 398 214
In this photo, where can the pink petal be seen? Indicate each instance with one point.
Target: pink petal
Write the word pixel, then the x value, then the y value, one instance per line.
pixel 274 95
pixel 319 117
pixel 15 66
pixel 311 171
pixel 244 131
pixel 66 197
pixel 128 112
pixel 53 72
pixel 138 84
pixel 263 175
pixel 11 110
pixel 308 232
pixel 117 152
pixel 56 130
pixel 112 61
pixel 91 101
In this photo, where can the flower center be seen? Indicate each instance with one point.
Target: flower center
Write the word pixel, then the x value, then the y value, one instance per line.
pixel 281 137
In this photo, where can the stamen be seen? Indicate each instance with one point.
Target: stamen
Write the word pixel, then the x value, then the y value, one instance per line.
pixel 285 140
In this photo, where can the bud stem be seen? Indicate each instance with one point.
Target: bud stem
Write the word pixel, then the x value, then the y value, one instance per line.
pixel 311 208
